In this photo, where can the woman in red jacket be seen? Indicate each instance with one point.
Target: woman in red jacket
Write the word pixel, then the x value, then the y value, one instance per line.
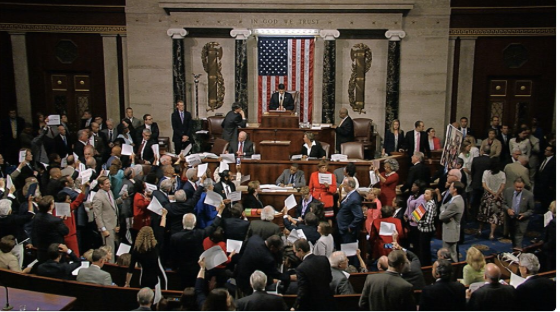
pixel 323 191
pixel 141 214
pixel 71 240
pixel 388 181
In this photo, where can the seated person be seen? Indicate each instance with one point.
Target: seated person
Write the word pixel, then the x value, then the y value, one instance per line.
pixel 243 147
pixel 292 177
pixel 311 148
pixel 281 100
pixel 309 227
pixel 53 267
pixel 94 274
pixel 340 284
pixel 251 200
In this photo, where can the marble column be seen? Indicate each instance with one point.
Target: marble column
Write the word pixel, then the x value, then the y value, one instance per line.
pixel 393 75
pixel 329 75
pixel 241 68
pixel 450 73
pixel 124 52
pixel 465 78
pixel 111 69
pixel 21 76
pixel 179 82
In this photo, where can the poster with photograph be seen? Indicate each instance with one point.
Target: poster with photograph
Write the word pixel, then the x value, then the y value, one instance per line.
pixel 452 146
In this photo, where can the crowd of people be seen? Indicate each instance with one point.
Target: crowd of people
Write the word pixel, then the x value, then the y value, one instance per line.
pixel 79 195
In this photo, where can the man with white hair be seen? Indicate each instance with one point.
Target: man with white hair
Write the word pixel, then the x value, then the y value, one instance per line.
pixel 259 300
pixel 536 292
pixel 243 147
pixel 340 284
pixel 145 299
pixel 191 185
pixel 144 153
pixel 418 171
pixel 264 227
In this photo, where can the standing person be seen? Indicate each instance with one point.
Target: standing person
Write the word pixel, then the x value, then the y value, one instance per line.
pixel 233 120
pixel 537 292
pixel 446 294
pixel 281 100
pixel 140 212
pixel 418 171
pixel 519 206
pixel 325 244
pixel 464 128
pixel 417 140
pixel 313 278
pixel 381 244
pixel 450 214
pixel 427 228
pixel 134 122
pixel 394 139
pixel 47 229
pixel 415 199
pixel 323 191
pixel 545 181
pixel 150 125
pixel 11 128
pixel 388 181
pixel 345 129
pixel 503 136
pixel 182 128
pixel 494 144
pixel 493 182
pixel 433 141
pixel 350 216
pixel 521 142
pixel 146 253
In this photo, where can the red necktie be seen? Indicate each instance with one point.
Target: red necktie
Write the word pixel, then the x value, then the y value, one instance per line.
pixel 417 149
pixel 240 150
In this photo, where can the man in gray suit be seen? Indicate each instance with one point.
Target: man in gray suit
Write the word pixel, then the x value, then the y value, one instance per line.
pixel 292 177
pixel 389 291
pixel 106 212
pixel 450 215
pixel 516 170
pixel 94 274
pixel 519 205
pixel 264 227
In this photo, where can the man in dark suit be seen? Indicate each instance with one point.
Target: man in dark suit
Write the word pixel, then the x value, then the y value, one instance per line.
pixel 53 267
pixel 87 119
pixel 235 227
pixel 83 140
pixel 281 100
pixel 225 186
pixel 150 125
pixel 503 136
pixel 350 215
pixel 309 227
pixel 465 130
pixel 518 205
pixel 62 144
pixel 493 296
pixel 179 208
pixel 181 124
pixel 264 227
pixel 418 171
pixel 313 278
pixel 10 129
pixel 345 129
pixel 145 153
pixel 417 140
pixel 99 143
pixel 479 165
pixel 259 300
pixel 389 291
pixel 292 177
pixel 233 120
pixel 242 147
pixel 445 294
pixel 545 180
pixel 536 293
pixel 47 229
pixel 109 132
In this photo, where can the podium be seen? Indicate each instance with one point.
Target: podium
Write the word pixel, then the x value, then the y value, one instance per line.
pixel 275 150
pixel 280 119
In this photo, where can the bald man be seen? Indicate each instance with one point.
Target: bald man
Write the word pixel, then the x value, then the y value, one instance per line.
pixel 345 129
pixel 493 296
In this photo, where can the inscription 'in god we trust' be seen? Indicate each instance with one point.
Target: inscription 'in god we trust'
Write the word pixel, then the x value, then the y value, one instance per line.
pixel 274 21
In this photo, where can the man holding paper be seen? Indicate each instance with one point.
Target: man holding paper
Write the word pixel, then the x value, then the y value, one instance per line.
pixel 350 215
pixel 145 153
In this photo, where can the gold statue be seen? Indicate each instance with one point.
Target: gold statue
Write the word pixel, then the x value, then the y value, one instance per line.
pixel 211 56
pixel 361 63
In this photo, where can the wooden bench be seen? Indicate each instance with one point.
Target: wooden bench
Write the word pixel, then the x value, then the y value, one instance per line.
pixel 118 273
pixel 342 302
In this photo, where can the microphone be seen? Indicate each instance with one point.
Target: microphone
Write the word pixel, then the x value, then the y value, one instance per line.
pixel 7 307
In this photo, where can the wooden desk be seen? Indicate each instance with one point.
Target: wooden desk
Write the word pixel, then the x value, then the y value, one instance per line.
pixel 256 135
pixel 280 120
pixel 275 150
pixel 36 300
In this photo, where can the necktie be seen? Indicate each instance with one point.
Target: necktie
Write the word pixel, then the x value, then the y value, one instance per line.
pixel 64 139
pixel 292 179
pixel 543 165
pixel 181 113
pixel 464 132
pixel 142 149
pixel 516 201
pixel 110 198
pixel 417 148
pixel 14 128
pixel 240 150
pixel 110 135
pixel 281 99
pixel 227 190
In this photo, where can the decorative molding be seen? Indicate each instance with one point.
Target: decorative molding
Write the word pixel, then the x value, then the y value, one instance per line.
pixel 87 29
pixel 395 35
pixel 285 32
pixel 240 33
pixel 329 34
pixel 177 33
pixel 545 31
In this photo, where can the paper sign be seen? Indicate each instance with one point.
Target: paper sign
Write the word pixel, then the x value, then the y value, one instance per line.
pixel 418 213
pixel 9 182
pixel 85 265
pixel 90 197
pixel 157 293
pixel 127 149
pixel 75 156
pixel 54 120
pixel 223 166
pixel 194 159
pixel 187 149
pixel 547 217
pixel 234 196
pixel 155 149
pixel 349 249
pixel 22 156
pixel 213 199
pixel 155 206
pixel 373 178
pixel 296 157
pixel 296 234
pixel 325 178
pixel 387 229
pixel 86 175
pixel 123 248
pixel 150 187
pixel 228 158
pixel 64 162
pixel 516 280
pixel 290 202
pixel 245 178
pixel 81 167
pixel 213 257
pixel 93 184
pixel 232 245
pixel 62 209
pixel 475 286
pixel 256 156
pixel 124 189
pixel 202 168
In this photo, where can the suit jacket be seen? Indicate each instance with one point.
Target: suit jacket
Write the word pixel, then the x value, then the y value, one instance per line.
pixel 155 133
pixel 148 152
pixel 234 228
pixel 79 150
pixel 495 147
pixel 313 278
pixel 479 165
pixel 189 189
pixel 387 292
pixel 537 293
pixel 261 301
pixel 186 247
pixel 450 215
pixel 416 172
pixel 545 180
pixel 181 128
pixel 94 275
pixel 6 128
pixel 526 205
pixel 61 148
pixel 274 102
pixel 231 122
pixel 248 148
pixel 299 178
pixel 344 132
pixel 105 212
pixel 443 296
pixel 112 138
pixel 389 142
pixel 340 284
pixel 505 153
pixel 493 297
pixel 176 212
pixel 310 231
pixel 317 150
pixel 100 144
pixel 264 229
pixel 219 188
pixel 63 270
pixel 516 170
pixel 350 214
pixel 250 201
pixel 424 144
pixel 47 229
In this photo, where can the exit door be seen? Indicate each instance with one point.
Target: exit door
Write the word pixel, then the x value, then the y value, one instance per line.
pixel 69 94
pixel 511 100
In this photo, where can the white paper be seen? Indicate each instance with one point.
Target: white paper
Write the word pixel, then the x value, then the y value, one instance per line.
pixel 32 263
pixel 186 150
pixel 150 187
pixel 373 179
pixel 194 159
pixel 209 155
pixel 346 274
pixel 290 202
pixel 157 293
pixel 213 199
pixel 85 175
pixel 339 157
pixel 202 132
pixel 547 218
pixel 64 162
pixel 228 158
pixel 85 265
pixel 232 245
pixel 516 280
pixel 297 157
pixel 155 206
pixel 90 197
pixel 256 156
pixel 245 178
pixel 296 234
pixel 475 286
pixel 76 158
pixel 325 178
pixel 54 120
pixel 349 249
pixel 123 248
pixel 124 189
pixel 81 167
pixel 22 156
pixel 62 209
pixel 127 149
pixel 213 257
pixel 9 182
pixel 93 184
pixel 202 169
pixel 234 196
pixel 45 165
pixel 387 229
pixel 155 149
pixel 223 166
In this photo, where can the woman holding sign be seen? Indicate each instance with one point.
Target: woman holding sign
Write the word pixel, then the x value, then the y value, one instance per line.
pixel 322 185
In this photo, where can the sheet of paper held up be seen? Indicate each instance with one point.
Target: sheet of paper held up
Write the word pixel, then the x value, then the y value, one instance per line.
pixel 213 257
pixel 202 169
pixel 547 218
pixel 62 209
pixel 516 280
pixel 150 187
pixel 54 120
pixel 349 249
pixel 123 248
pixel 245 178
pixel 373 179
pixel 186 150
pixel 213 199
pixel 290 202
pixel 228 158
pixel 295 235
pixel 90 197
pixel 223 166
pixel 325 178
pixel 85 265
pixel 234 196
pixel 127 149
pixel 232 245
pixel 86 175
pixel 387 229
pixel 22 156
pixel 9 182
pixel 194 159
pixel 155 206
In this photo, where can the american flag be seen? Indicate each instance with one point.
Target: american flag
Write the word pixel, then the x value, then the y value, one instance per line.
pixel 288 61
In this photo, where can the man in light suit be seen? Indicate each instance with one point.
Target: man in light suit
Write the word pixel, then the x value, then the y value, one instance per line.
pixel 518 205
pixel 243 147
pixel 181 124
pixel 94 274
pixel 517 170
pixel 106 212
pixel 292 177
pixel 345 130
pixel 233 120
pixel 450 215
pixel 281 100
